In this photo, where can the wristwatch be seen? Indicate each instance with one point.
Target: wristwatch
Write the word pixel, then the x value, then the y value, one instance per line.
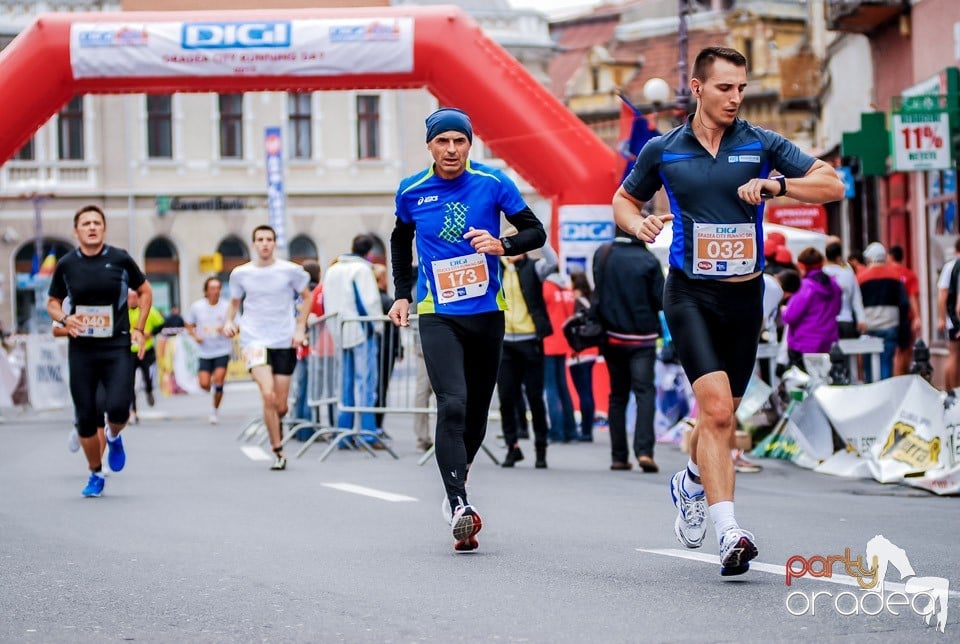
pixel 507 245
pixel 782 180
pixel 63 320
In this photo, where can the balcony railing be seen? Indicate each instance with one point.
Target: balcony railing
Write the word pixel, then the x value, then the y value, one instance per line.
pixel 863 16
pixel 32 176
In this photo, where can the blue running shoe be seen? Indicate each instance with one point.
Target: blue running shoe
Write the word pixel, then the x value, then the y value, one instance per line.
pixel 94 485
pixel 116 457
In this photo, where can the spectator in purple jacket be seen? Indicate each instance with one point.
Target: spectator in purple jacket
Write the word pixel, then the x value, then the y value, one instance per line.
pixel 811 314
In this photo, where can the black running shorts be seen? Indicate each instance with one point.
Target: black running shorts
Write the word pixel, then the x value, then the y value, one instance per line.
pixel 282 361
pixel 715 326
pixel 212 364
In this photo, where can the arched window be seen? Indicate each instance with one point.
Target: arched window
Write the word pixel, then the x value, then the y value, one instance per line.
pixel 234 253
pixel 302 248
pixel 32 281
pixel 162 267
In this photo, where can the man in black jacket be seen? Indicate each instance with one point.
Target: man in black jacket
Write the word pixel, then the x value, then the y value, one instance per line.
pixel 628 299
pixel 521 367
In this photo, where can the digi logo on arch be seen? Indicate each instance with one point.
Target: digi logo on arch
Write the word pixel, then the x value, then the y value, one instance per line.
pixel 235 35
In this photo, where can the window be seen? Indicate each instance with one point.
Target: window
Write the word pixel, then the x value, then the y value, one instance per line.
pixel 302 248
pixel 159 127
pixel 368 127
pixel 231 126
pixel 26 152
pixel 70 132
pixel 300 115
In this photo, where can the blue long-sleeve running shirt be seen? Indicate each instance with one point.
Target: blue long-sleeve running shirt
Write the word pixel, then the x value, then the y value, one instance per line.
pixel 453 278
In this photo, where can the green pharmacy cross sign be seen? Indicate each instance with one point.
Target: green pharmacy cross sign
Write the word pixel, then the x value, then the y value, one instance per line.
pixel 920 134
pixel 871 144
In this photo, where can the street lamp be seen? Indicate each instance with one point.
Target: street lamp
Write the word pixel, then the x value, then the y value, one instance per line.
pixel 656 91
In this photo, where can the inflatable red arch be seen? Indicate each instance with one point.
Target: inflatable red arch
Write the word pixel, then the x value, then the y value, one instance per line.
pixel 440 48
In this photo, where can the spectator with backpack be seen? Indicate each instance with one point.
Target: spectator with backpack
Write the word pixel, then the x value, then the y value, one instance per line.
pixel 628 298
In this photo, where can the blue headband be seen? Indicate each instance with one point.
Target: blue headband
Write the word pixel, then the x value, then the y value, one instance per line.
pixel 446 119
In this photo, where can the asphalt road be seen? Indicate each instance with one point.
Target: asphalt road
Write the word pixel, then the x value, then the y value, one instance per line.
pixel 197 542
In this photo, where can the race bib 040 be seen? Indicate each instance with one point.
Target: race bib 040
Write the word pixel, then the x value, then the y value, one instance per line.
pixel 97 321
pixel 460 278
pixel 724 250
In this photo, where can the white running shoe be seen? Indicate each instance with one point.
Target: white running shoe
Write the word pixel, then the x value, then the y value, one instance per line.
pixel 73 440
pixel 214 420
pixel 690 525
pixel 737 548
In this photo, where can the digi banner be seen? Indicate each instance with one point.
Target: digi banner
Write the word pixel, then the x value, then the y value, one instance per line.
pixel 331 47
pixel 276 197
pixel 583 229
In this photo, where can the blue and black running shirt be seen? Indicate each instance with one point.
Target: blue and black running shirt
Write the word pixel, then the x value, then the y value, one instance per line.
pixel 443 211
pixel 703 193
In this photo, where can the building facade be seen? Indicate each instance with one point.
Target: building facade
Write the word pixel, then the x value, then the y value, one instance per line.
pixel 182 176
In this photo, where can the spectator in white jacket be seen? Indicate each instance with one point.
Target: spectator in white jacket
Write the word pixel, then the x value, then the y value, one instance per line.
pixel 851 320
pixel 350 290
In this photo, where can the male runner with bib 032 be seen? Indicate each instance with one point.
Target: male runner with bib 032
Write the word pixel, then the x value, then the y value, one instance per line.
pixel 716 169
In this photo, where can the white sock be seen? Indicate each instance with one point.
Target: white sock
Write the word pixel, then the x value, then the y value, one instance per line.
pixel 111 437
pixel 723 518
pixel 100 474
pixel 690 487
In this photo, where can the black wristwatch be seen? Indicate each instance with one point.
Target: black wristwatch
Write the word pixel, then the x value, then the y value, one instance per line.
pixel 782 180
pixel 507 245
pixel 63 320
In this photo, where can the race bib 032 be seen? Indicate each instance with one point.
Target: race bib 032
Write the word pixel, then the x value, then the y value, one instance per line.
pixel 724 250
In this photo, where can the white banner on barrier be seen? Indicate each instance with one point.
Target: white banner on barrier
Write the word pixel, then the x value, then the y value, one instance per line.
pixel 330 47
pixel 912 440
pixel 8 380
pixel 900 431
pixel 47 375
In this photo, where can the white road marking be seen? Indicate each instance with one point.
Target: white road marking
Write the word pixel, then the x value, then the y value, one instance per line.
pixel 772 569
pixel 367 491
pixel 255 453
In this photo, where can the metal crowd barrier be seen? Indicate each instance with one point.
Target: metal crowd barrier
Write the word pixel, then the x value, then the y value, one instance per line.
pixel 382 354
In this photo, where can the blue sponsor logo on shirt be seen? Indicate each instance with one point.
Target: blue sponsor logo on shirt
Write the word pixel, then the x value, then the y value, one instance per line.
pixel 743 158
pixel 586 230
pixel 235 35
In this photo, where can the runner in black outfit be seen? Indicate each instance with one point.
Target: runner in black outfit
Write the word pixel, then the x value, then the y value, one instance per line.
pixel 96 277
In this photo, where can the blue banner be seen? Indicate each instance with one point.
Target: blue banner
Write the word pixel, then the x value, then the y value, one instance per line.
pixel 276 197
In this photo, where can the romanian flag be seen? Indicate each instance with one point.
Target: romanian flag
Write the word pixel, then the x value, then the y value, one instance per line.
pixel 48 264
pixel 635 131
